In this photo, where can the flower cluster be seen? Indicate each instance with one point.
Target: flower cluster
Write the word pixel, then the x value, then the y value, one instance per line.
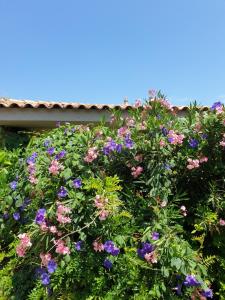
pixel 49 266
pixel 195 163
pixel 61 213
pixel 136 171
pixel 32 168
pixel 55 167
pixel 128 142
pixel 98 246
pixel 101 203
pixel 147 251
pixel 174 138
pixel 91 155
pixel 61 248
pixel 111 146
pixel 25 243
pixel 217 107
pixel 110 248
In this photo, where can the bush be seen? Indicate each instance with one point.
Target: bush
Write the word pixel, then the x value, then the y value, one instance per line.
pixel 130 210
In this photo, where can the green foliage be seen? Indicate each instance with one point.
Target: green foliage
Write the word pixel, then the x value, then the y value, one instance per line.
pixel 151 179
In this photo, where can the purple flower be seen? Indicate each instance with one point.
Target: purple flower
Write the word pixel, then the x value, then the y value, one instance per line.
pixel 107 264
pixel 40 216
pixel 208 293
pixel 50 150
pixel 171 139
pixel 216 105
pixel 128 142
pixel 110 146
pixel 16 216
pixel 204 136
pixel 78 245
pixel 5 216
pixel 164 131
pixel 106 150
pixel 190 280
pixel 110 248
pixel 60 155
pixel 118 148
pixel 46 143
pixel 77 183
pixel 145 249
pixel 193 143
pixel 115 251
pixel 52 266
pixel 155 236
pixel 62 192
pixel 32 158
pixel 178 289
pixel 13 185
pixel 45 278
pixel 39 271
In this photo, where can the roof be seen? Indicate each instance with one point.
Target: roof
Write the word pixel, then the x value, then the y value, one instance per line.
pixel 44 114
pixel 11 103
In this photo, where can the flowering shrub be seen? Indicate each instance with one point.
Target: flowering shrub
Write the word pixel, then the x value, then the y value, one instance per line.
pixel 130 210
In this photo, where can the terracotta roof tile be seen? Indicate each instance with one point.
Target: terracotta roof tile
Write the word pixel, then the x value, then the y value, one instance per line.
pixel 11 103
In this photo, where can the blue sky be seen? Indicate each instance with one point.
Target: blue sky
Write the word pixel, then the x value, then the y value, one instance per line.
pixel 95 51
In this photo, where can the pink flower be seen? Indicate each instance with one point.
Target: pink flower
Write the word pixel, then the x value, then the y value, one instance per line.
pixel 98 247
pixel 43 226
pixel 100 202
pixel 123 131
pixel 103 215
pixel 25 240
pixel 175 138
pixel 151 257
pixel 137 103
pixel 45 258
pixel 55 167
pixel 192 163
pixel 61 248
pixel 62 209
pixel 222 222
pixel 136 171
pixel 203 159
pixel 21 251
pixel 92 154
pixel 63 219
pixel 162 143
pixel 130 122
pixel 25 243
pixel 33 179
pixel 53 229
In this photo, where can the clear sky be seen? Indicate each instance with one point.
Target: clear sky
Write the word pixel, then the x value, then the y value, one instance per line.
pixel 99 51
